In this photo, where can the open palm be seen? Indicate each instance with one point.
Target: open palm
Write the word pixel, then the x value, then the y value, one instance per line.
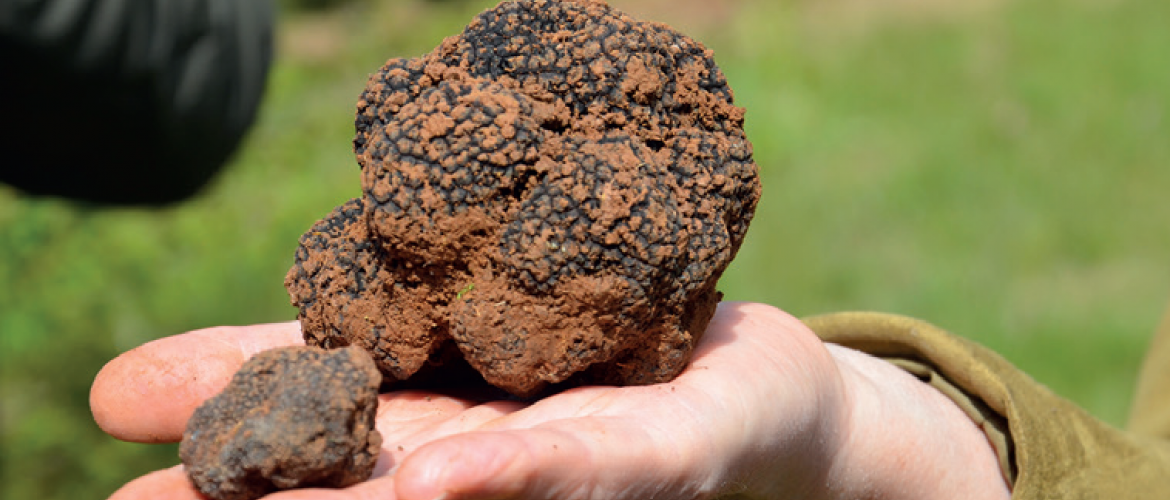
pixel 761 411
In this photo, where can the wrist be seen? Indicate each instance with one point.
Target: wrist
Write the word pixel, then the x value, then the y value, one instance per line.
pixel 904 439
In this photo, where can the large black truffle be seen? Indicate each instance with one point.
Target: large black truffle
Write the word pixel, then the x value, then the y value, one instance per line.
pixel 554 192
pixel 290 418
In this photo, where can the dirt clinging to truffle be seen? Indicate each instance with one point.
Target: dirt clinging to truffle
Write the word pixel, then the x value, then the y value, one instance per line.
pixel 554 191
pixel 291 417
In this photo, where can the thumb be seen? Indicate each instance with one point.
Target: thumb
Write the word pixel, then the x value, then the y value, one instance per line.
pixel 147 394
pixel 594 460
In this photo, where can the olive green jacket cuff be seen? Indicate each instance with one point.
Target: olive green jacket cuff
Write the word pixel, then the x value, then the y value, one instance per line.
pixel 1048 447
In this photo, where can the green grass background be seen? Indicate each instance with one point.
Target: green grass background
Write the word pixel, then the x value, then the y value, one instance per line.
pixel 997 167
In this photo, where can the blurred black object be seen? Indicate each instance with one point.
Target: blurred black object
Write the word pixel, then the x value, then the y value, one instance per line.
pixel 133 102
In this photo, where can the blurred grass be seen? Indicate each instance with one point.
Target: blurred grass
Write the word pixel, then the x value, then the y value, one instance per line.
pixel 997 168
pixel 1002 174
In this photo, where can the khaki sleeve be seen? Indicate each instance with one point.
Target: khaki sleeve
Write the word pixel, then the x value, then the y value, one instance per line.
pixel 1150 414
pixel 1049 447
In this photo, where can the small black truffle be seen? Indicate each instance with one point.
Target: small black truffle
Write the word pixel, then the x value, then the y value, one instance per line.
pixel 290 418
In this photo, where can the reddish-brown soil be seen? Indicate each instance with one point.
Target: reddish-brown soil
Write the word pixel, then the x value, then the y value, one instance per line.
pixel 553 192
pixel 291 417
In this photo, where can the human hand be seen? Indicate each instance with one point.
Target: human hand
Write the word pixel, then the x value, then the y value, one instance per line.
pixel 765 410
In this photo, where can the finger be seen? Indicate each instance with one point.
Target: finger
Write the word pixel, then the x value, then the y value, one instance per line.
pixel 586 458
pixel 147 394
pixel 166 484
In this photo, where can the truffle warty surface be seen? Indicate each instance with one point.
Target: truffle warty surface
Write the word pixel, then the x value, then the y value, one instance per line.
pixel 552 193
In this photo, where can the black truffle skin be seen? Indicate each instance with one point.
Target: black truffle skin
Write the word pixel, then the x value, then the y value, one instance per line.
pixel 348 293
pixel 290 417
pixel 555 191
